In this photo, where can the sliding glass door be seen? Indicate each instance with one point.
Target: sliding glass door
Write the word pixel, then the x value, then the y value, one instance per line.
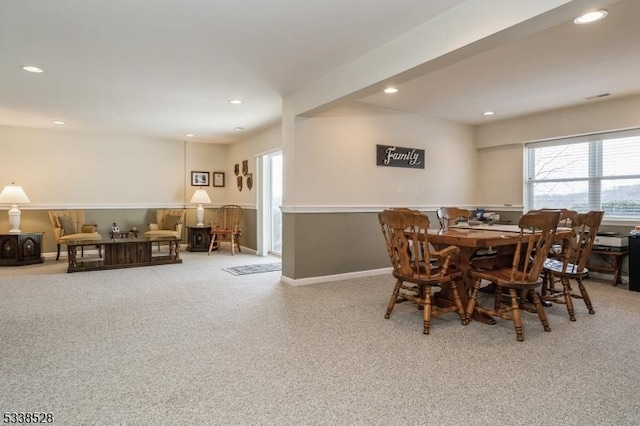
pixel 270 215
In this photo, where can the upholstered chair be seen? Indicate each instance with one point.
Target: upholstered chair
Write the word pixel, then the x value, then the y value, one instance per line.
pixel 69 225
pixel 168 224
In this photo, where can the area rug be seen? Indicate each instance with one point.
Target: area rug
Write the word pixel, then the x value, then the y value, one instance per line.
pixel 254 269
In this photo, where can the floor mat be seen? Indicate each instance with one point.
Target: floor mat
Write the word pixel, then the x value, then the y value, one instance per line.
pixel 254 269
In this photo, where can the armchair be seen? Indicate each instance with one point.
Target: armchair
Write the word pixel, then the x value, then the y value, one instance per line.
pixel 70 225
pixel 168 224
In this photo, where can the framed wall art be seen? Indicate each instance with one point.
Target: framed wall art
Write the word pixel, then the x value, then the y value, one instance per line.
pixel 199 178
pixel 218 179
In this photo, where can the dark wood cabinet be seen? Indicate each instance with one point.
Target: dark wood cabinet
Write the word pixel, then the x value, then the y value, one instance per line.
pixel 123 253
pixel 199 238
pixel 21 249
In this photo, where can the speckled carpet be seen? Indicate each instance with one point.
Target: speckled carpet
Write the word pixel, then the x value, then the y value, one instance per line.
pixel 191 344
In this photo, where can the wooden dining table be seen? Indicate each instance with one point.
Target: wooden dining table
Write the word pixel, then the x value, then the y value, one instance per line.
pixel 470 239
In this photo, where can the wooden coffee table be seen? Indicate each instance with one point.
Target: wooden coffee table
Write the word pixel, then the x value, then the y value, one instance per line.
pixel 123 253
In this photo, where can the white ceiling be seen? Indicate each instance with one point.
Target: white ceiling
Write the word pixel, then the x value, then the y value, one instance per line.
pixel 164 68
pixel 558 67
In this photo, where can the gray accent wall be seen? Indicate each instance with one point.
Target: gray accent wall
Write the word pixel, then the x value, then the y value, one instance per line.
pixel 331 243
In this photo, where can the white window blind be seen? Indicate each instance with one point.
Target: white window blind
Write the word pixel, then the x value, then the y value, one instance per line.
pixel 591 172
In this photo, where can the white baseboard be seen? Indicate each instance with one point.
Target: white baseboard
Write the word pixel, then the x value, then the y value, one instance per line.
pixel 337 277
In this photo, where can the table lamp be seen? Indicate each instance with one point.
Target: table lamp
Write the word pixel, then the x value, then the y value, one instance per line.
pixel 200 197
pixel 14 194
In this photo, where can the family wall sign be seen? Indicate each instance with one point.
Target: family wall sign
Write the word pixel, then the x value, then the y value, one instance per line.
pixel 398 156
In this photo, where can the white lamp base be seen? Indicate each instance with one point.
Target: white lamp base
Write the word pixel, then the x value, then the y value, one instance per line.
pixel 200 215
pixel 14 219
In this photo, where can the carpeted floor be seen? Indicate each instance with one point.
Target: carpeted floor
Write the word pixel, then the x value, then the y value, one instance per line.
pixel 192 344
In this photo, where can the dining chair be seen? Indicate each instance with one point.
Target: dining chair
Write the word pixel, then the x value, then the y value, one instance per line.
pixel 572 263
pixel 416 268
pixel 451 215
pixel 537 232
pixel 558 251
pixel 227 226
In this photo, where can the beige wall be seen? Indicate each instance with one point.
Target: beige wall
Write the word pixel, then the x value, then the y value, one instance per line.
pixel 58 168
pixel 500 145
pixel 592 117
pixel 248 149
pixel 336 160
pixel 63 169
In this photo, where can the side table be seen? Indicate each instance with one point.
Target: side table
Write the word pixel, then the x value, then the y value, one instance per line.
pixel 613 263
pixel 21 249
pixel 199 238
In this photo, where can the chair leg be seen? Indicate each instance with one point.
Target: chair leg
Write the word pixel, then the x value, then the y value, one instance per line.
pixel 213 239
pixel 426 314
pixel 58 255
pixel 458 302
pixel 394 297
pixel 473 300
pixel 541 313
pixel 515 314
pixel 238 244
pixel 585 296
pixel 233 242
pixel 545 284
pixel 566 290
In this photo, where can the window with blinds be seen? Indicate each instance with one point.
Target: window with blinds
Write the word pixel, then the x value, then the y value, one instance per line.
pixel 591 172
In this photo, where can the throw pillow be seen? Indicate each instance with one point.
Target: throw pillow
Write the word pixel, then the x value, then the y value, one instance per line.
pixel 169 222
pixel 68 227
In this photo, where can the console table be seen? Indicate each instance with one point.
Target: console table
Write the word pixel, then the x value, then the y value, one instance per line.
pixel 199 238
pixel 21 249
pixel 123 253
pixel 613 259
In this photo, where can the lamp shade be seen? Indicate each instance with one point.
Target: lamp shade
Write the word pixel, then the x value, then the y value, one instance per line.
pixel 200 197
pixel 13 194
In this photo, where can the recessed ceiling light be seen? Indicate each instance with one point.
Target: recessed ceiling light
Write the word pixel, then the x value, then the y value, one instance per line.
pixel 238 129
pixel 390 90
pixel 594 15
pixel 32 68
pixel 59 122
pixel 189 135
pixel 487 113
pixel 235 101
